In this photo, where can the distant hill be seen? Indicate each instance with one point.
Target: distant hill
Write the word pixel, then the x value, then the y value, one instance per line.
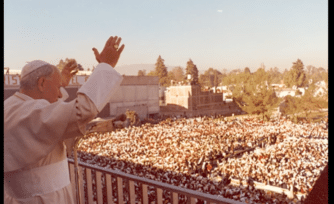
pixel 133 69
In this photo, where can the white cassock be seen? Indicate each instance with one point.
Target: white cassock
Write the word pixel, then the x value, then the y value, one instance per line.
pixel 35 162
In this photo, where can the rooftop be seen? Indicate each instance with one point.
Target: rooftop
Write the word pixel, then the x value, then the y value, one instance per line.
pixel 140 80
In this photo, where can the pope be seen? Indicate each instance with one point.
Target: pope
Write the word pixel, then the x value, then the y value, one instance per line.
pixel 38 122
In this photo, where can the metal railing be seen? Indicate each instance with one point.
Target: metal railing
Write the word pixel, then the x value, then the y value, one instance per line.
pixel 125 184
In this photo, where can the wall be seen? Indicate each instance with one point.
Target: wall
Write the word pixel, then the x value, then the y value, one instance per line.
pixel 190 100
pixel 138 93
pixel 179 95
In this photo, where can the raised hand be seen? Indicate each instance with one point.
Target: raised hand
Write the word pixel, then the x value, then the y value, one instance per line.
pixel 111 51
pixel 69 70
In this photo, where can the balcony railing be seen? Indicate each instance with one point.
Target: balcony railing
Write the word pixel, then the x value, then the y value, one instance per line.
pixel 86 196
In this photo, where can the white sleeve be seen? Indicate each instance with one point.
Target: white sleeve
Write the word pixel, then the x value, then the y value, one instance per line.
pixel 101 85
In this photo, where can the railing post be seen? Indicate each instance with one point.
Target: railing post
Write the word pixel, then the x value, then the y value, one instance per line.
pixel 192 200
pixel 120 190
pixel 99 194
pixel 159 195
pixel 175 198
pixel 81 186
pixel 132 193
pixel 89 185
pixel 73 181
pixel 109 189
pixel 145 195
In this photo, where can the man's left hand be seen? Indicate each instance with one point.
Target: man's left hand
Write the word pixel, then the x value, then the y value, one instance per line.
pixel 68 72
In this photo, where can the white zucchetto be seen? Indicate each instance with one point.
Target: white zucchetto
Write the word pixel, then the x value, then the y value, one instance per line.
pixel 32 66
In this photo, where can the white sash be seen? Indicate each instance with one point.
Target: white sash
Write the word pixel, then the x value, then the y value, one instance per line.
pixel 37 181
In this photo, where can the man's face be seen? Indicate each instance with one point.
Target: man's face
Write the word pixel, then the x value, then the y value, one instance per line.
pixel 53 84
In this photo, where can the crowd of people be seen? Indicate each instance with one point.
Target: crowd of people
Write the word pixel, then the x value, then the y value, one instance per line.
pixel 206 153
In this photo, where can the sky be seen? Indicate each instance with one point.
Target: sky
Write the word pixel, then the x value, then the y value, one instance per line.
pixel 222 34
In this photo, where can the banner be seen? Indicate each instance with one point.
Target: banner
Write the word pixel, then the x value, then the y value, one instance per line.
pixel 14 80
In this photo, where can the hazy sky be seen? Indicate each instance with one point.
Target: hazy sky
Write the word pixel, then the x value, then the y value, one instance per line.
pixel 220 34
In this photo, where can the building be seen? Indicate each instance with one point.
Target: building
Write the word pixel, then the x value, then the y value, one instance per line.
pixel 189 100
pixel 137 93
pixel 321 84
pixel 302 91
pixel 227 95
pixel 285 92
pixel 321 90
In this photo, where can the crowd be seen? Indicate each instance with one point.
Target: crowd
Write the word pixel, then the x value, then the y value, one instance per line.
pixel 205 153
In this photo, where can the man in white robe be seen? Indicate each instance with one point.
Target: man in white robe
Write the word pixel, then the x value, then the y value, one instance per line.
pixel 36 123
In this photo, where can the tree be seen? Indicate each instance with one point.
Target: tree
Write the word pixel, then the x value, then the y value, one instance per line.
pixel 258 102
pixel 178 73
pixel 254 95
pixel 274 76
pixel 170 77
pixel 161 71
pixel 193 71
pixel 324 76
pixel 233 78
pixel 296 75
pixel 224 71
pixel 152 73
pixel 310 69
pixel 211 78
pixel 289 106
pixel 141 72
pixel 247 70
pixel 305 104
pixel 235 71
pixel 318 74
pixel 261 76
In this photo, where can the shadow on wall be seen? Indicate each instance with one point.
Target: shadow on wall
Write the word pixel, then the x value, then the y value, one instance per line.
pixel 173 107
